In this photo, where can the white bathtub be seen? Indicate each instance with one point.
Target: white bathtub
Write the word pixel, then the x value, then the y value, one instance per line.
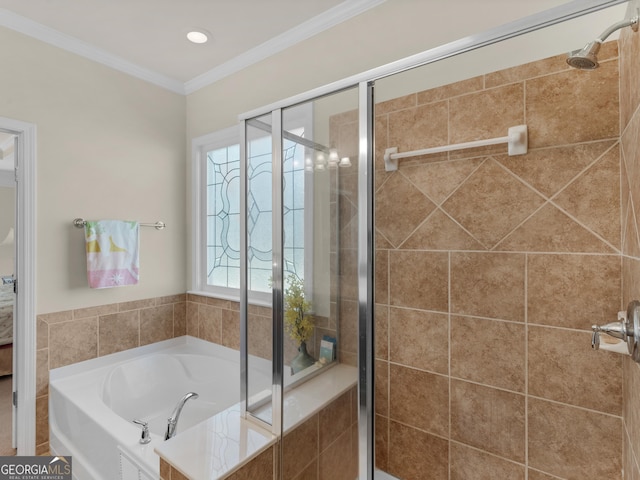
pixel 92 404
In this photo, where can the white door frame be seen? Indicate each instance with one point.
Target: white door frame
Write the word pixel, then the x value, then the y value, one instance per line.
pixel 25 227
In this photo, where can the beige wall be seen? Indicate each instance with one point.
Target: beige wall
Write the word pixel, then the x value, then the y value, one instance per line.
pixel 109 146
pixel 491 270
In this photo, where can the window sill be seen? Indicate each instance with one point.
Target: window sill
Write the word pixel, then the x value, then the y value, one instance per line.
pixel 233 298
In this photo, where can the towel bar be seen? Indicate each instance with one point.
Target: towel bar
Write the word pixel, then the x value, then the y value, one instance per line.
pixel 81 222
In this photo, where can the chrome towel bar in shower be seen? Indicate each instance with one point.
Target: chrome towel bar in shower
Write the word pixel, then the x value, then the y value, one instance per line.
pixel 81 222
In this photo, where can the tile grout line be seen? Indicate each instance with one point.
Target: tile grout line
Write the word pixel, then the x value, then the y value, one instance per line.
pixel 449 358
pixel 526 366
pixel 388 366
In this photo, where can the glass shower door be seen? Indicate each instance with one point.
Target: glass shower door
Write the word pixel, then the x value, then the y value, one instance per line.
pixel 305 159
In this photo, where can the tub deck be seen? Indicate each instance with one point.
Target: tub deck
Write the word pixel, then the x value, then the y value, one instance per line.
pixel 92 404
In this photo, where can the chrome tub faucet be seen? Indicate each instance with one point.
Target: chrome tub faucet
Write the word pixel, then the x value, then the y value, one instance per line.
pixel 172 421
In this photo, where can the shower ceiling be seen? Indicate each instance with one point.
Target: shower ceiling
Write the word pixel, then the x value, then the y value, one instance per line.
pixel 151 34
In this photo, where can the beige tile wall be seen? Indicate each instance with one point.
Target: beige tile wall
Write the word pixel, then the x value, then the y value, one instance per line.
pixel 630 126
pixel 325 446
pixel 72 336
pixel 76 335
pixel 490 271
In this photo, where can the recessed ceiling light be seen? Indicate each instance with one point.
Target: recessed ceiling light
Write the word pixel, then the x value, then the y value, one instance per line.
pixel 198 36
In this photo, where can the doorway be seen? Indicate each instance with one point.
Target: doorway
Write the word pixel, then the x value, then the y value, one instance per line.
pixel 20 244
pixel 7 275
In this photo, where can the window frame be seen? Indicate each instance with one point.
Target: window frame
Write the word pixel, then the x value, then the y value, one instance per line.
pixel 199 148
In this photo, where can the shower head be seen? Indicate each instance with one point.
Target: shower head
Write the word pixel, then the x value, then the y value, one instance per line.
pixel 585 58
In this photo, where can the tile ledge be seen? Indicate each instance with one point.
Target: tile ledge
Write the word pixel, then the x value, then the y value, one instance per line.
pixel 204 452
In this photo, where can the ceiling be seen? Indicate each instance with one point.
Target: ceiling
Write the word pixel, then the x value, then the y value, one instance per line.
pixel 147 38
pixel 151 34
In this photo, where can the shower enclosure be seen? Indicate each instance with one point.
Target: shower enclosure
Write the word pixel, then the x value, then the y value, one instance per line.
pixel 444 282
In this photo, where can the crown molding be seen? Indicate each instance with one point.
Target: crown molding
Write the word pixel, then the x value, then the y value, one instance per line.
pixel 71 44
pixel 332 17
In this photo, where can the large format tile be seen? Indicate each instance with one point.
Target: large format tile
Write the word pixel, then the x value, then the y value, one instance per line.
pixel 413 453
pixel 382 442
pixel 381 332
pixel 260 467
pixel 419 339
pixel 419 280
pixel 488 351
pixel 491 203
pixel 557 113
pixel 440 232
pixel 471 464
pixel 574 291
pixel 486 114
pixel 382 388
pixel 564 441
pixel 490 419
pixel 118 331
pixel 536 475
pixel 420 127
pixel 594 197
pixel 334 419
pixel 72 342
pixel 209 323
pixel 488 285
pixel 400 208
pixel 549 170
pixel 455 89
pixel 299 448
pixel 551 230
pixel 438 180
pixel 338 462
pixel 156 324
pixel 419 399
pixel 631 402
pixel 564 367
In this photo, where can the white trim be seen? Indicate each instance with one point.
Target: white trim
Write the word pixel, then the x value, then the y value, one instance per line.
pixel 71 44
pixel 332 17
pixel 299 33
pixel 26 273
pixel 198 202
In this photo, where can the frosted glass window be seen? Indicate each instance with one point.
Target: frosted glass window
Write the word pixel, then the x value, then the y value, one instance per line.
pixel 223 213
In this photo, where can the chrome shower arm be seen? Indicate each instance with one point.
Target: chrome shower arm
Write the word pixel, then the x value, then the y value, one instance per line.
pixel 630 22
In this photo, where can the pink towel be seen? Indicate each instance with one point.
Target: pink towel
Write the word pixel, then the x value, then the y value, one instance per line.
pixel 112 253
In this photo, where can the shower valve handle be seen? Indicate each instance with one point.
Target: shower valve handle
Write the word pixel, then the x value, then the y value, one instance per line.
pixel 615 329
pixel 146 436
pixel 627 329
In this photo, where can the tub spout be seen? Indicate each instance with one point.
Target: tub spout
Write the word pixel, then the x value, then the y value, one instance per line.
pixel 172 422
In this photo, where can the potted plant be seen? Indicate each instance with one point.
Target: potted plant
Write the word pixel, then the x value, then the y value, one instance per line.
pixel 298 323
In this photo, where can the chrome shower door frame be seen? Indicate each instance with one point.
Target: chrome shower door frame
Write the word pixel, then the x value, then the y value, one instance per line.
pixel 366 221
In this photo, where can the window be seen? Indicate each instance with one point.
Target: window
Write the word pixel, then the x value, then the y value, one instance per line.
pixel 216 194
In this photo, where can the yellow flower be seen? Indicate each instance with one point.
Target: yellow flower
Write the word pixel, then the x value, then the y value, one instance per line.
pixel 297 322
